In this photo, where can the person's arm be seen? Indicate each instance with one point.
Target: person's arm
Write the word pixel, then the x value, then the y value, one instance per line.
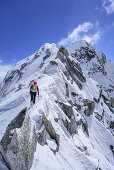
pixel 38 90
pixel 30 88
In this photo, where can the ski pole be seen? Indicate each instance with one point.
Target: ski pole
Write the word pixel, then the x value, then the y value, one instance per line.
pixel 38 97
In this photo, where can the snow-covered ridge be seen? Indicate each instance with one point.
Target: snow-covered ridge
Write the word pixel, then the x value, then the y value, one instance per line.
pixel 71 125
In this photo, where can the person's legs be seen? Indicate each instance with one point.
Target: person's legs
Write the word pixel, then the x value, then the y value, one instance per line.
pixel 31 96
pixel 34 97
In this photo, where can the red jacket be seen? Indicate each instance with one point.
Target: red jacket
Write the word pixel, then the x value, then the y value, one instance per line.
pixel 37 88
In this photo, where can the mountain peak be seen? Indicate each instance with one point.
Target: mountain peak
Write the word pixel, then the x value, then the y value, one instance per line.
pixel 77 45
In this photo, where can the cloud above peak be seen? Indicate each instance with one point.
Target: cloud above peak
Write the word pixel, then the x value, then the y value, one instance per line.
pixel 109 6
pixel 86 31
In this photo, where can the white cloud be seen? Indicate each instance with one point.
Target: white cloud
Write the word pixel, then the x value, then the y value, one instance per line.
pixel 93 39
pixel 82 32
pixel 109 6
pixel 1 61
pixel 3 71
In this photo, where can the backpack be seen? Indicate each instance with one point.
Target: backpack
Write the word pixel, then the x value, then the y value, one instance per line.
pixel 34 88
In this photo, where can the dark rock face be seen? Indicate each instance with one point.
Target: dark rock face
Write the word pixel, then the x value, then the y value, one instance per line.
pixel 74 94
pixel 86 53
pixel 19 142
pixel 3 159
pixel 41 137
pixel 112 102
pixel 62 54
pixel 12 75
pixel 98 116
pixel 23 66
pixel 66 73
pixel 64 51
pixel 36 56
pixel 15 123
pixel 67 110
pixel 112 124
pixel 85 127
pixel 48 128
pixel 48 52
pixel 71 125
pixel 53 63
pixel 112 148
pixel 67 90
pixel 84 124
pixel 73 69
pixel 91 106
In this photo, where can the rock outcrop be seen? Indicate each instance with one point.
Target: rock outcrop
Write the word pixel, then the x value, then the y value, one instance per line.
pixel 70 124
pixel 19 142
pixel 73 69
pixel 112 102
pixel 48 128
pixel 90 107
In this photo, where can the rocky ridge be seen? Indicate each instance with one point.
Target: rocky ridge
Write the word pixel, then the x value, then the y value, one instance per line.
pixel 74 111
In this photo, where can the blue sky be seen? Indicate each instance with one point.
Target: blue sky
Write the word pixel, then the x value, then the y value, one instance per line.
pixel 27 24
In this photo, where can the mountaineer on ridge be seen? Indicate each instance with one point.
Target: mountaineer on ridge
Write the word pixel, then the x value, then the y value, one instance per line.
pixel 33 91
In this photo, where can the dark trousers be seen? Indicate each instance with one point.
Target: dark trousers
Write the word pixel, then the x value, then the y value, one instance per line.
pixel 33 96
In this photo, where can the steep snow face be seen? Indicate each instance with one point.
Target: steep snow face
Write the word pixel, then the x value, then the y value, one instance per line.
pixel 27 67
pixel 73 114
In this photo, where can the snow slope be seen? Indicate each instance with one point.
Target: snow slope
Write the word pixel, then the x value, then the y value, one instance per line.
pixel 85 138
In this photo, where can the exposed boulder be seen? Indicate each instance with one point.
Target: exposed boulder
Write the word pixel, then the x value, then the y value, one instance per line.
pixel 112 102
pixel 90 107
pixel 112 124
pixel 19 142
pixel 53 63
pixel 74 94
